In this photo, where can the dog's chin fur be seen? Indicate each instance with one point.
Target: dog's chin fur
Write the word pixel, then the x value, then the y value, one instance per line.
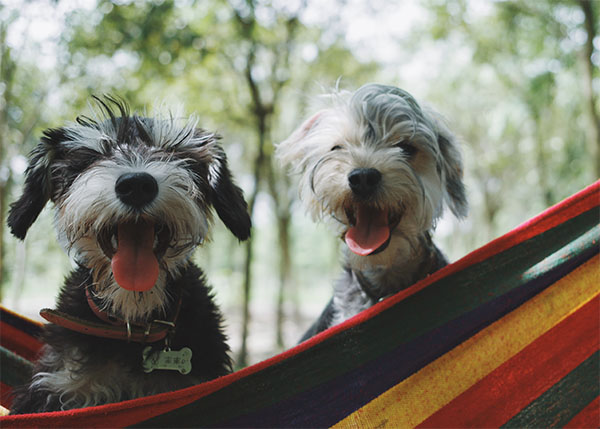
pixel 377 127
pixel 78 168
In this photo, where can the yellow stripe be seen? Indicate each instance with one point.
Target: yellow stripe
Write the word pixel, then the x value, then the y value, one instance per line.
pixel 416 398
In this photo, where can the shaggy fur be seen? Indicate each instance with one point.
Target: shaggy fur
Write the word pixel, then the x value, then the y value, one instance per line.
pixel 179 174
pixel 376 158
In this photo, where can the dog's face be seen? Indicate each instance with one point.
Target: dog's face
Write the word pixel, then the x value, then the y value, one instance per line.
pixel 133 198
pixel 379 166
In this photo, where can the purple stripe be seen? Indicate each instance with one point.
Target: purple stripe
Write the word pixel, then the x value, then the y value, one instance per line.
pixel 332 401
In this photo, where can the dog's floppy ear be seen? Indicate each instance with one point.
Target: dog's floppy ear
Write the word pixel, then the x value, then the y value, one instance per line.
pixel 292 150
pixel 37 188
pixel 453 173
pixel 227 198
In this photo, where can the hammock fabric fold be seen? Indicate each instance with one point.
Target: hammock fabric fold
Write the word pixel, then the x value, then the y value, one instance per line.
pixel 507 336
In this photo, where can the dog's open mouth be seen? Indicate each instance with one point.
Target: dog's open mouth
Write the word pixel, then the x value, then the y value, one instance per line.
pixel 370 229
pixel 134 248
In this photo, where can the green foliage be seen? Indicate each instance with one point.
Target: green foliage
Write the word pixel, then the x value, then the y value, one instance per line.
pixel 518 101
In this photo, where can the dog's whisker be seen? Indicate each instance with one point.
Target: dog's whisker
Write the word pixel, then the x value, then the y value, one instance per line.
pixel 337 219
pixel 314 170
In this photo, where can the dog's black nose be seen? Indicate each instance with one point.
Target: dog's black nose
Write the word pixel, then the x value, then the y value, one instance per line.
pixel 136 189
pixel 364 181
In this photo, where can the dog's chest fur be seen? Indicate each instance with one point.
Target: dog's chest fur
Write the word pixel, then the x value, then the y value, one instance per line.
pixel 359 288
pixel 77 370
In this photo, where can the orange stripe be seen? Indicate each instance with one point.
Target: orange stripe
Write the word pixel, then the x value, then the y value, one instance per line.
pixel 427 391
pixel 522 379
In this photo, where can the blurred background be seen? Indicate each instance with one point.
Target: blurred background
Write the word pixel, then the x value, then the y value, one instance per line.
pixel 518 82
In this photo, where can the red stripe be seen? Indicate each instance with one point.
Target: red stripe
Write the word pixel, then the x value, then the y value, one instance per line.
pixel 19 342
pixel 5 395
pixel 121 414
pixel 130 412
pixel 569 208
pixel 574 333
pixel 589 417
pixel 512 386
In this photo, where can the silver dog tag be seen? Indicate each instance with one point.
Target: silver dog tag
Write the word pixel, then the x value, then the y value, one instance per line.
pixel 177 360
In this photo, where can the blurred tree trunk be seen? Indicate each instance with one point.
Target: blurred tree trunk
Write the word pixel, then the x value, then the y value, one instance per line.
pixel 542 166
pixel 18 273
pixel 285 274
pixel 13 139
pixel 279 188
pixel 7 70
pixel 590 27
pixel 260 115
pixel 263 109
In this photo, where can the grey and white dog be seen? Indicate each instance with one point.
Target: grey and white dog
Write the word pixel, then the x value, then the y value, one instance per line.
pixel 133 196
pixel 380 168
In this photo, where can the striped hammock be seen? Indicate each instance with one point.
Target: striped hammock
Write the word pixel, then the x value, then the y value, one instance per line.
pixel 507 336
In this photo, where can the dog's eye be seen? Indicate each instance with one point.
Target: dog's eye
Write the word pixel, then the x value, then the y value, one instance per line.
pixel 408 149
pixel 336 147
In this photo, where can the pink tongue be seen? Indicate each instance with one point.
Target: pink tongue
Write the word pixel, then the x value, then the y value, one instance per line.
pixel 370 232
pixel 134 265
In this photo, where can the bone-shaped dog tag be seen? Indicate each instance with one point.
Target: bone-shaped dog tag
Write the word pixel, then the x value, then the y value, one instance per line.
pixel 177 360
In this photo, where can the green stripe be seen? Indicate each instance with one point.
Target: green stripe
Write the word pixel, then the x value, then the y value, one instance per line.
pixel 563 401
pixel 14 369
pixel 428 309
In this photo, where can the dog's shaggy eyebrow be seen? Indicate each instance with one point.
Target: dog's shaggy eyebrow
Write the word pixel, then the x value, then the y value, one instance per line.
pixel 184 136
pixel 141 129
pixel 111 119
pixel 120 126
pixel 108 112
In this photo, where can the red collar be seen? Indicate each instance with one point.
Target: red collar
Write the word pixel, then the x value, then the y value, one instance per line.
pixel 112 327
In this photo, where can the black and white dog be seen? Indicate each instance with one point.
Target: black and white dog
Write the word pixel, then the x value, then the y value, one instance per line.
pixel 380 168
pixel 133 198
